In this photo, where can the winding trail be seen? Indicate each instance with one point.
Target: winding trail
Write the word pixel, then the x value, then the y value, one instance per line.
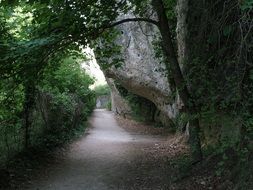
pixel 107 157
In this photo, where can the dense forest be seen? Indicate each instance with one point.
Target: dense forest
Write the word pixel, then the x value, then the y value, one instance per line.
pixel 45 99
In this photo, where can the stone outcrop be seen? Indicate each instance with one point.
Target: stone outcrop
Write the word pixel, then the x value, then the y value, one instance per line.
pixel 119 104
pixel 142 73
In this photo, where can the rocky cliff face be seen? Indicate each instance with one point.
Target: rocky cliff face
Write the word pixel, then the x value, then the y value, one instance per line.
pixel 119 104
pixel 142 73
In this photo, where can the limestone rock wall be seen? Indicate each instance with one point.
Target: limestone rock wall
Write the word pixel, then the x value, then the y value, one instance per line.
pixel 119 104
pixel 142 73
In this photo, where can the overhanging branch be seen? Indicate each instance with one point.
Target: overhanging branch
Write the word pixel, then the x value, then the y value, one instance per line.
pixel 134 20
pixel 102 29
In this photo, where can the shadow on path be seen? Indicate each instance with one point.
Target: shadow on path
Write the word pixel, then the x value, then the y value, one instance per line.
pixel 106 158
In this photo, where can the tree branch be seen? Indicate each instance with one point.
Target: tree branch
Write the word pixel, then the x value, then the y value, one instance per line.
pixel 100 30
pixel 134 20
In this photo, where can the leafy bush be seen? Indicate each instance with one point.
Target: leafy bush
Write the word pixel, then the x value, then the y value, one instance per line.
pixel 63 102
pixel 102 90
pixel 109 106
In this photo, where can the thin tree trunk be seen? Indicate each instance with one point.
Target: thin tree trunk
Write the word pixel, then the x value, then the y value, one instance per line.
pixel 179 80
pixel 28 105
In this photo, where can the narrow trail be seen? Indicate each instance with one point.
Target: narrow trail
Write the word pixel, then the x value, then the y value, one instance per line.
pixel 107 157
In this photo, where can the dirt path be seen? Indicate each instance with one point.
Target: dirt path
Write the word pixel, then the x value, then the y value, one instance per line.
pixel 107 158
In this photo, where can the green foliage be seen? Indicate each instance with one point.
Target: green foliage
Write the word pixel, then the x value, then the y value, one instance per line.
pixel 48 64
pixel 218 73
pixel 109 106
pixel 247 5
pixel 141 108
pixel 63 103
pixel 68 82
pixel 180 121
pixel 170 6
pixel 102 90
pixel 108 53
pixel 182 167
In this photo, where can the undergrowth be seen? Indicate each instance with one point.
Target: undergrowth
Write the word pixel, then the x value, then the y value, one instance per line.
pixel 19 170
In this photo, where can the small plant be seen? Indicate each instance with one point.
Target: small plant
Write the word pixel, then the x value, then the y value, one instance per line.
pixel 102 90
pixel 109 106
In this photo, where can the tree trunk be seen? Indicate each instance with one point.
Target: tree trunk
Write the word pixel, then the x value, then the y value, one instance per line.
pixel 173 66
pixel 28 105
pixel 194 140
